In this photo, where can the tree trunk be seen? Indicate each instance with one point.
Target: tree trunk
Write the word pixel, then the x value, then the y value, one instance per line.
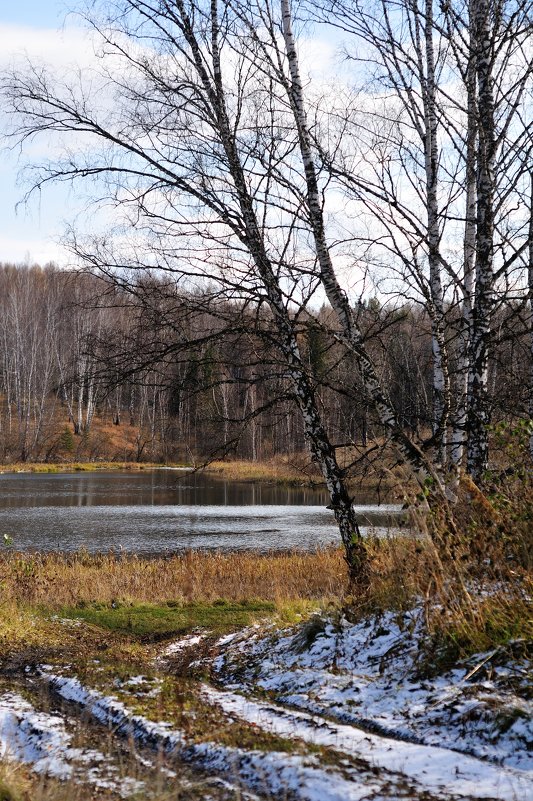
pixel 321 449
pixel 336 296
pixel 441 380
pixel 530 290
pixel 479 400
pixel 469 252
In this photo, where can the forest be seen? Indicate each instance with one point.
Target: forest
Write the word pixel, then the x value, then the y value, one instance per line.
pixel 188 389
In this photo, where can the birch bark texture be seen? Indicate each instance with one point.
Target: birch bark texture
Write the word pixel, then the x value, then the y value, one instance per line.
pixel 205 167
pixel 460 83
pixel 336 296
pixel 530 293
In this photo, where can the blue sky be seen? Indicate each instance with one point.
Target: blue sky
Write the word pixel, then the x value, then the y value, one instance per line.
pixel 38 13
pixel 28 233
pixel 32 233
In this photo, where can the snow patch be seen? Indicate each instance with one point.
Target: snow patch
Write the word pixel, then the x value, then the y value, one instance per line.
pixel 437 770
pixel 41 740
pixel 273 772
pixel 282 775
pixel 183 643
pixel 366 674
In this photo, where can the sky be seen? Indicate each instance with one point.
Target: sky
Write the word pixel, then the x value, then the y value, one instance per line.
pixel 30 233
pixel 43 30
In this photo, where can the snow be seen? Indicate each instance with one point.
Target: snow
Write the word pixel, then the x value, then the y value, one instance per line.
pixel 436 770
pixel 367 674
pixel 360 689
pixel 41 740
pixel 272 772
pixel 35 737
pixel 281 775
pixel 183 643
pixel 113 713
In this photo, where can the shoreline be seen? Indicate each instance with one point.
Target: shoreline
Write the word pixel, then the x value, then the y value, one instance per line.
pixel 240 471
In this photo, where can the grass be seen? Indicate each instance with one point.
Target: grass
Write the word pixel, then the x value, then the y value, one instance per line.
pixel 295 471
pixel 18 784
pixel 469 607
pixel 274 471
pixel 56 580
pixel 176 700
pixel 499 622
pixel 99 617
pixel 151 622
pixel 69 467
pixel 126 602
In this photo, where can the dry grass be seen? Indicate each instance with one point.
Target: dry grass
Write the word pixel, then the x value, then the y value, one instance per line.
pixel 19 783
pixel 55 580
pixel 469 606
pixel 68 467
pixel 20 629
pixel 277 471
pixel 476 588
pixel 374 469
pixel 296 470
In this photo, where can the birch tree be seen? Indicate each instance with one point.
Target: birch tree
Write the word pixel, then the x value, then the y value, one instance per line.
pixel 530 294
pixel 220 179
pixel 192 141
pixel 474 96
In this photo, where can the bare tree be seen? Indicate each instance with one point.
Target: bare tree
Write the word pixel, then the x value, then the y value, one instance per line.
pixel 530 292
pixel 455 144
pixel 192 144
pixel 210 153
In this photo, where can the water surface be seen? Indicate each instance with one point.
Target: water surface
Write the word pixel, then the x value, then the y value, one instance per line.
pixel 158 511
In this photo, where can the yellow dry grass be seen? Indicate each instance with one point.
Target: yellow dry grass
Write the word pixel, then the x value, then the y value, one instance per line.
pixel 280 470
pixel 68 467
pixel 55 580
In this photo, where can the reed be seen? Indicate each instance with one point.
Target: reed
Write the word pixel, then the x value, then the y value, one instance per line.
pixel 56 580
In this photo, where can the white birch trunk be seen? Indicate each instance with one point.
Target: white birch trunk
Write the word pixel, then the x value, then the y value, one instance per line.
pixel 441 380
pixel 479 401
pixel 469 252
pixel 530 291
pixel 335 294
pixel 315 434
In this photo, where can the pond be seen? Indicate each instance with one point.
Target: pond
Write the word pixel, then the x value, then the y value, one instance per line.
pixel 165 510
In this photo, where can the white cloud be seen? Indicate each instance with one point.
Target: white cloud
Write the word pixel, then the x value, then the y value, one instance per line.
pixel 57 47
pixel 32 251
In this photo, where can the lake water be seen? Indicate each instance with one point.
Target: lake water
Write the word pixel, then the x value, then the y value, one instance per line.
pixel 160 511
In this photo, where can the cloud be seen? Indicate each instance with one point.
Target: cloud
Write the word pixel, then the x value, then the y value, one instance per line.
pixel 58 47
pixel 31 251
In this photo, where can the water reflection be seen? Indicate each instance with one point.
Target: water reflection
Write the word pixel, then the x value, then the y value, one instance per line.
pixel 163 510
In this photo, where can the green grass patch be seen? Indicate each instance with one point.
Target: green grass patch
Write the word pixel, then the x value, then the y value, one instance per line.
pixel 155 622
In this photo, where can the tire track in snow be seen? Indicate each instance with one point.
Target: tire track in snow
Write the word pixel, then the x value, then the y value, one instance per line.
pixel 440 771
pixel 274 774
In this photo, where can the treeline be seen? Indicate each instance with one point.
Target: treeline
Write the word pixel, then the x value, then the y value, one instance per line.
pixel 90 370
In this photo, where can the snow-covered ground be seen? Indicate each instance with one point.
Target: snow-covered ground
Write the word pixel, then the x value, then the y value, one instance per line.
pixel 370 674
pixel 42 740
pixel 273 773
pixel 368 718
pixel 362 689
